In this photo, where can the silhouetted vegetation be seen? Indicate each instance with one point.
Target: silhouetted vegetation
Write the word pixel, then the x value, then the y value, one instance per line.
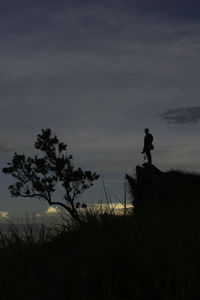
pixel 153 253
pixel 38 177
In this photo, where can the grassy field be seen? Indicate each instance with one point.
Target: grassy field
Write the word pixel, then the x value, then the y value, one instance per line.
pixel 152 254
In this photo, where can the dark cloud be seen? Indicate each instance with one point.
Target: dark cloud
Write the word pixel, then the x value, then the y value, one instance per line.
pixel 173 8
pixel 97 72
pixel 28 15
pixel 190 114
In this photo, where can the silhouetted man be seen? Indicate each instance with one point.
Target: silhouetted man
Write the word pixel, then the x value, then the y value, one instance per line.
pixel 148 146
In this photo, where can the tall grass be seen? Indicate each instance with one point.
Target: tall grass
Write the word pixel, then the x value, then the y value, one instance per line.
pixel 106 256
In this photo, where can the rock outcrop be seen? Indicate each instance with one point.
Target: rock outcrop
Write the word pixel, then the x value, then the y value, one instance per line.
pixel 164 192
pixel 149 180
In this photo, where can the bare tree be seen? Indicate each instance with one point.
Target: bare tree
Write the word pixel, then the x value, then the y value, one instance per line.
pixel 37 177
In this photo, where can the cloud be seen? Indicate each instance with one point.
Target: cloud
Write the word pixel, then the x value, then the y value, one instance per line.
pixel 52 210
pixel 183 115
pixel 6 147
pixel 97 73
pixel 4 214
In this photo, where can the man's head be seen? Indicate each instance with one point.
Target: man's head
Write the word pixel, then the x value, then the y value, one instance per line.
pixel 146 130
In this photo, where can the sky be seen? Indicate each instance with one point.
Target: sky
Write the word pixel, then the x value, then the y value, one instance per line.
pixel 97 73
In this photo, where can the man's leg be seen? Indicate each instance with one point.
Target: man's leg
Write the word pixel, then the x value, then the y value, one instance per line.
pixel 149 158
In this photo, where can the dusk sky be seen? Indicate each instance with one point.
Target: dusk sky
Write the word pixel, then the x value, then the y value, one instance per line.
pixel 97 73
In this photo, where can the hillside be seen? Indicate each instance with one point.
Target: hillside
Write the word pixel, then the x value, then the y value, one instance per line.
pixel 151 254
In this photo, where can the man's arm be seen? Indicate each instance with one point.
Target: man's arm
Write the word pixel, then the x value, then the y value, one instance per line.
pixel 143 151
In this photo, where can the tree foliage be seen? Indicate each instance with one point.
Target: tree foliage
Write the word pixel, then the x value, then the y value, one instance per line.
pixel 38 177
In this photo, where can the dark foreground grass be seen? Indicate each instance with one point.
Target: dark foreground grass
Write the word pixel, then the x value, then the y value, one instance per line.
pixel 155 255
